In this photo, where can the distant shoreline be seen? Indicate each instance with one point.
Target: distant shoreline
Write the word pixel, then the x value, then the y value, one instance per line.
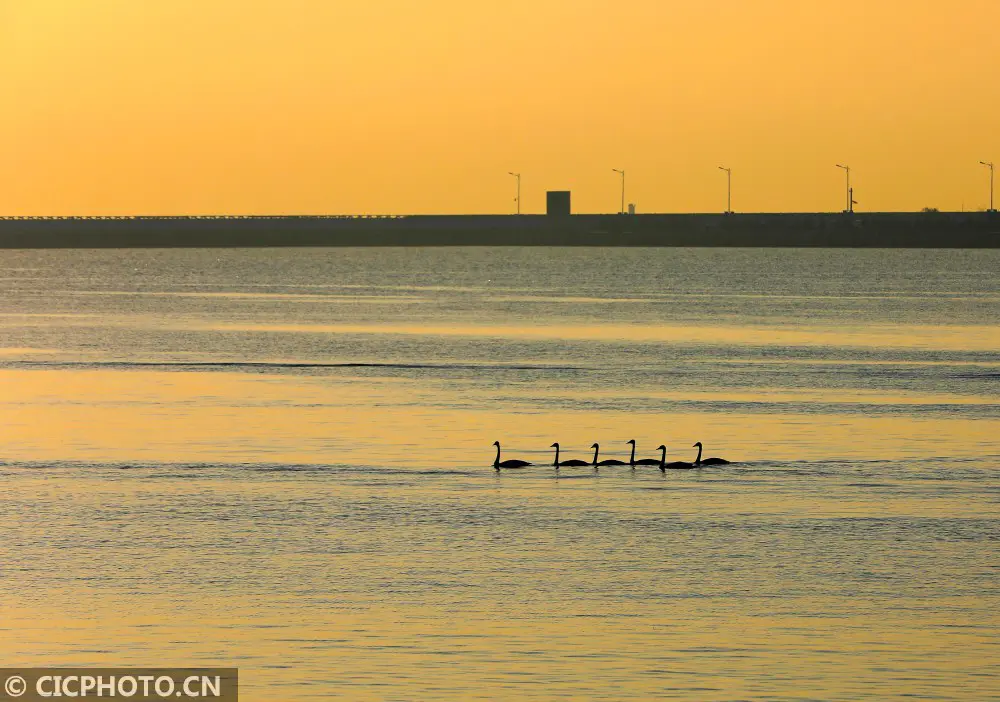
pixel 850 230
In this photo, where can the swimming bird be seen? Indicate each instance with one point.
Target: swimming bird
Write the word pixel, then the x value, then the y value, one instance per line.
pixel 512 463
pixel 608 462
pixel 675 465
pixel 566 464
pixel 709 461
pixel 642 461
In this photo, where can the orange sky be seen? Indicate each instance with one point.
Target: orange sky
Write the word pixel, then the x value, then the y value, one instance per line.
pixel 414 106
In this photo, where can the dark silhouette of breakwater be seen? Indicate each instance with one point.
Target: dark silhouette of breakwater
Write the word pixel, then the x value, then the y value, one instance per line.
pixel 888 230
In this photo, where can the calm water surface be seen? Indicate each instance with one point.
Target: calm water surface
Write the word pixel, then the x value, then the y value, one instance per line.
pixel 280 460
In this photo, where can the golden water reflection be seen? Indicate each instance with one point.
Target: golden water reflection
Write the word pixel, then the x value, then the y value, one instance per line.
pixel 198 416
pixel 618 588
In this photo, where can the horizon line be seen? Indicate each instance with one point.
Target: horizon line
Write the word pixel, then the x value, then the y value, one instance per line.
pixel 512 215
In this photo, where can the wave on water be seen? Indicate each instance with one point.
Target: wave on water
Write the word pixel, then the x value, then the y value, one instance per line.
pixel 185 470
pixel 739 470
pixel 278 365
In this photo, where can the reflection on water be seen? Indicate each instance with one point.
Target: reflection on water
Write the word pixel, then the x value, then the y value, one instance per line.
pixel 281 460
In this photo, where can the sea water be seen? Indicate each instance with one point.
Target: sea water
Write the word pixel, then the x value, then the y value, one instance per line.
pixel 281 460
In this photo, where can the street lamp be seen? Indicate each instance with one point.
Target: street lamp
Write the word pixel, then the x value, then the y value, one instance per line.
pixel 850 198
pixel 729 188
pixel 990 166
pixel 518 198
pixel 623 188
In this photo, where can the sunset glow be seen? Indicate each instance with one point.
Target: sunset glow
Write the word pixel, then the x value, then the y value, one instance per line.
pixel 395 106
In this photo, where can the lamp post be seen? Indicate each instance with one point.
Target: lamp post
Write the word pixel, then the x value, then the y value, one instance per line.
pixel 850 198
pixel 990 166
pixel 616 170
pixel 518 198
pixel 729 188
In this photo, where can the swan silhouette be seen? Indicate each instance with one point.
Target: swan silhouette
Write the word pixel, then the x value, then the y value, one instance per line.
pixel 675 465
pixel 608 462
pixel 512 463
pixel 709 461
pixel 573 462
pixel 642 461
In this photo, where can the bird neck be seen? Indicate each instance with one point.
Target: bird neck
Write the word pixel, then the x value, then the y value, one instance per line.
pixel 556 464
pixel 497 461
pixel 697 461
pixel 631 461
pixel 663 456
pixel 596 451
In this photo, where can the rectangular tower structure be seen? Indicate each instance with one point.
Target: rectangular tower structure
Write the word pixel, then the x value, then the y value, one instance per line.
pixel 557 203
